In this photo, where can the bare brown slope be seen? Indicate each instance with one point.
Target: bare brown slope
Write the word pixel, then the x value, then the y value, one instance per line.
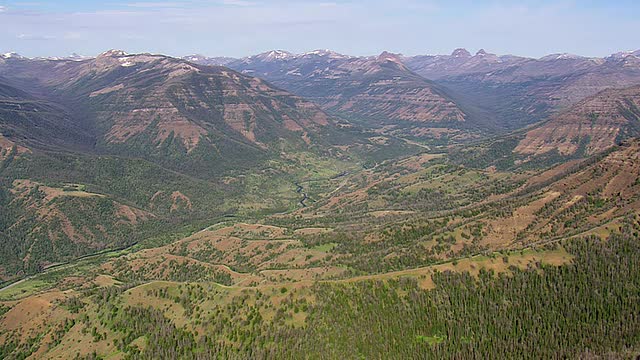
pixel 585 197
pixel 595 123
pixel 154 98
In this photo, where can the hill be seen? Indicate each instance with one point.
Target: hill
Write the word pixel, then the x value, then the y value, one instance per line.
pixel 592 125
pixel 176 141
pixel 151 207
pixel 491 93
pixel 519 256
pixel 174 112
pixel 32 122
pixel 375 92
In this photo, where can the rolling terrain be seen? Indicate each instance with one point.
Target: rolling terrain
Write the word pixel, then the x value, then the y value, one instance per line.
pixel 154 207
pixel 402 233
pixel 153 142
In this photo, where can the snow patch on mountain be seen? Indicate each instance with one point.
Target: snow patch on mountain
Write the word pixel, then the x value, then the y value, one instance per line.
pixel 562 56
pixel 113 53
pixel 10 55
pixel 276 55
pixel 324 53
pixel 623 54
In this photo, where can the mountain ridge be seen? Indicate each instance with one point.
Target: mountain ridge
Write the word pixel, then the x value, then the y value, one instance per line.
pixel 503 92
pixel 151 100
pixel 594 124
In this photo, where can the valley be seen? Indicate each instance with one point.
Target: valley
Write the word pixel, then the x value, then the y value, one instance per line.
pixel 319 206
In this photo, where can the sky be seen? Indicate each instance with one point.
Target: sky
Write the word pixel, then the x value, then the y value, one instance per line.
pixel 240 28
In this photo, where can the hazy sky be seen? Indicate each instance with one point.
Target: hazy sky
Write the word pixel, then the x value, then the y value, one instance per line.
pixel 357 27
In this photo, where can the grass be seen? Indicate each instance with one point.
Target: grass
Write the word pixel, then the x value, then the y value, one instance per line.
pixel 474 264
pixel 431 340
pixel 272 190
pixel 325 247
pixel 26 288
pixel 88 268
pixel 74 187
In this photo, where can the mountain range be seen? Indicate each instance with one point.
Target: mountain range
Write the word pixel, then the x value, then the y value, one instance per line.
pixel 484 91
pixel 452 97
pixel 319 205
pixel 595 123
pixel 131 139
pixel 152 104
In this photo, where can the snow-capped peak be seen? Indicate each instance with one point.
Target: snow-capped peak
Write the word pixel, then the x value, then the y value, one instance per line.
pixel 324 53
pixel 275 55
pixel 624 54
pixel 194 57
pixel 10 55
pixel 387 56
pixel 77 57
pixel 113 53
pixel 562 56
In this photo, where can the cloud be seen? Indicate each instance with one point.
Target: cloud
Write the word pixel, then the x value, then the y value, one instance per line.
pixel 155 5
pixel 73 36
pixel 237 3
pixel 357 27
pixel 32 37
pixel 30 3
pixel 3 9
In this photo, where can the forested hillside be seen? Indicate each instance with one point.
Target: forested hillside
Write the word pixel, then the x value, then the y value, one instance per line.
pixel 155 208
